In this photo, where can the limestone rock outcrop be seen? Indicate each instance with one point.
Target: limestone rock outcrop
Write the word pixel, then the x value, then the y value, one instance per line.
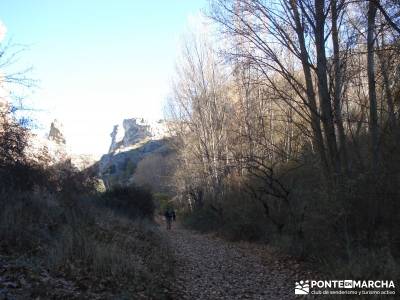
pixel 56 133
pixel 52 149
pixel 139 139
pixel 136 131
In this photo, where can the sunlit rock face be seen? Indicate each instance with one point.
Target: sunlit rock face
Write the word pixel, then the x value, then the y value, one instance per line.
pixel 52 149
pixel 113 135
pixel 82 161
pixel 56 133
pixel 136 131
pixel 3 102
pixel 130 143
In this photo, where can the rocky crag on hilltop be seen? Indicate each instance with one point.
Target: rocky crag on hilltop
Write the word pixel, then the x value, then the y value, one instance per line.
pixel 140 141
pixel 136 132
pixel 56 133
pixel 52 149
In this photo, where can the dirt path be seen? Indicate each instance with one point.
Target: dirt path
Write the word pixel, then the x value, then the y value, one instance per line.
pixel 211 268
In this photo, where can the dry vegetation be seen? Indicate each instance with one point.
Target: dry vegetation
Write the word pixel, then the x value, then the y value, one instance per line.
pixel 287 130
pixel 60 238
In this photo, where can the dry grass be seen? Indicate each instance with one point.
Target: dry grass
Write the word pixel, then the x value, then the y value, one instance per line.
pixel 92 246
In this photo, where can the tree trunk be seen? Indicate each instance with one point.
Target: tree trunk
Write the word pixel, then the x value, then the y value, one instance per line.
pixel 318 140
pixel 373 115
pixel 323 89
pixel 384 65
pixel 338 84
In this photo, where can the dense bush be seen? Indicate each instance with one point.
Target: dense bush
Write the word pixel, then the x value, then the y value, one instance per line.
pixel 352 231
pixel 162 201
pixel 132 201
pixel 202 219
pixel 17 172
pixel 22 177
pixel 243 218
pixel 237 218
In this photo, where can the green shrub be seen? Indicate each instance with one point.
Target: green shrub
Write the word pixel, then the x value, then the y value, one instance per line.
pixel 237 218
pixel 131 201
pixel 202 219
pixel 162 201
pixel 244 219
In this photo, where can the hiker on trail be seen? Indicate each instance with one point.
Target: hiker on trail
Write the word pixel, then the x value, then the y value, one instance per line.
pixel 169 217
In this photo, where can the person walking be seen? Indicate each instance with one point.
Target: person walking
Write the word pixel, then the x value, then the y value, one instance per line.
pixel 169 217
pixel 173 215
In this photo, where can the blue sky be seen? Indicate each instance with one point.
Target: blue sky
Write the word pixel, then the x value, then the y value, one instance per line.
pixel 98 61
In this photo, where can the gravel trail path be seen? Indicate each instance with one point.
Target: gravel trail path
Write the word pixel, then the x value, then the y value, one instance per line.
pixel 211 268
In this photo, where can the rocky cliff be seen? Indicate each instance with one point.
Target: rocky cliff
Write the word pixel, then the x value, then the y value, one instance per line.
pixel 136 131
pixel 139 153
pixel 56 133
pixel 140 139
pixel 52 149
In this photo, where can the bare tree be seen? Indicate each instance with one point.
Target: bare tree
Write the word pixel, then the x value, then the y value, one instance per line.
pixel 200 103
